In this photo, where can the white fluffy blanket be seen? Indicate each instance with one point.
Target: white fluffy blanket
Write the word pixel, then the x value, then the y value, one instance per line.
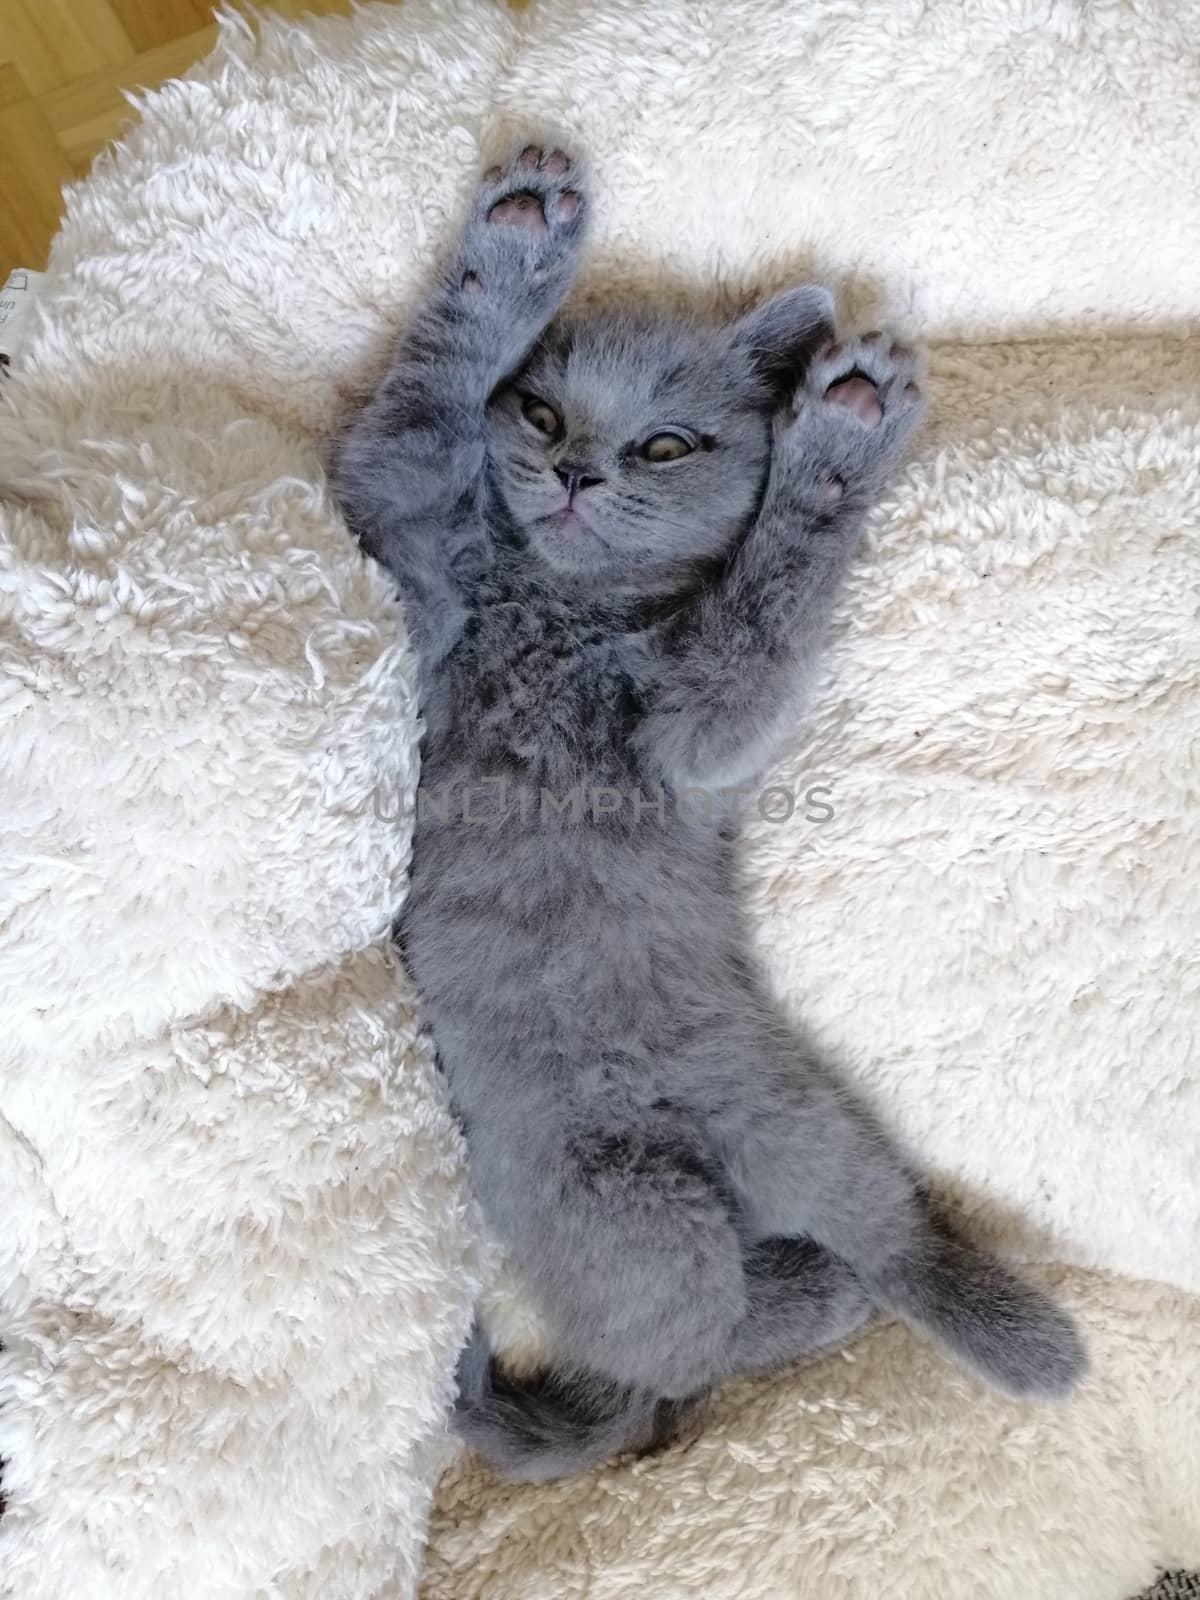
pixel 238 1256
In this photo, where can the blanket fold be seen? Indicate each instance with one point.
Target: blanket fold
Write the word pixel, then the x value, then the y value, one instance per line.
pixel 239 1255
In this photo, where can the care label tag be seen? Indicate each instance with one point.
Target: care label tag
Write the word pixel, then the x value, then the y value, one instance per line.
pixel 16 300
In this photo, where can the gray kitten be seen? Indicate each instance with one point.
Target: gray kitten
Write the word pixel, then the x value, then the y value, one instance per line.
pixel 619 539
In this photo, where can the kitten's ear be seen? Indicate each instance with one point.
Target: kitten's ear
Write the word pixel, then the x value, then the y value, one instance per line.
pixel 781 334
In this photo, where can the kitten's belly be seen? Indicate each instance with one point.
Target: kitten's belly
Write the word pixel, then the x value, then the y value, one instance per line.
pixel 540 935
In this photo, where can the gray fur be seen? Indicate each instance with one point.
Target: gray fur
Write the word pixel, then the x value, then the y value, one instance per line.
pixel 688 1191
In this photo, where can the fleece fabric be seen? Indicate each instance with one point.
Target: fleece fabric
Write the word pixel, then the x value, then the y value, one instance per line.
pixel 239 1253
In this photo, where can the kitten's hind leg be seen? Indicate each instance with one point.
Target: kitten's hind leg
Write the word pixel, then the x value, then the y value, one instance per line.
pixel 809 1159
pixel 554 1424
pixel 799 1300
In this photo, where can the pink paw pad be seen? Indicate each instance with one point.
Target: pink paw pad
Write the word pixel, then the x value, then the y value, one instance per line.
pixel 520 211
pixel 857 395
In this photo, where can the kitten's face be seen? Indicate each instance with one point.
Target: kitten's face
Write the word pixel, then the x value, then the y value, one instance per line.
pixel 627 449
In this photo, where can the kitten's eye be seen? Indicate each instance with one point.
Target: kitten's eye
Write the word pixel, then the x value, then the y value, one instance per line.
pixel 544 418
pixel 667 447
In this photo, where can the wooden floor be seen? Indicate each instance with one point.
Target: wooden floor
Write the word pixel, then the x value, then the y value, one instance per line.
pixel 63 65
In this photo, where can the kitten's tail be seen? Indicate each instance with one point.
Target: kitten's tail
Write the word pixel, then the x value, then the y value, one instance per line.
pixel 554 1424
pixel 1009 1333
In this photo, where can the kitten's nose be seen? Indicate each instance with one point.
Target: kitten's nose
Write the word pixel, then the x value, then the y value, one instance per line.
pixel 575 478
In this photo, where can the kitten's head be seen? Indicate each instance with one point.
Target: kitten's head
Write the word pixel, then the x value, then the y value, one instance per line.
pixel 630 448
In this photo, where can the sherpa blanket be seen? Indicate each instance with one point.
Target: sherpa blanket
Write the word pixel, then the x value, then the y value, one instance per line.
pixel 238 1254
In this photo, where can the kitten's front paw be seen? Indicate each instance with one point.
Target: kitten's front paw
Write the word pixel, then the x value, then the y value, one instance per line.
pixel 537 190
pixel 872 376
pixel 526 225
pixel 851 415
